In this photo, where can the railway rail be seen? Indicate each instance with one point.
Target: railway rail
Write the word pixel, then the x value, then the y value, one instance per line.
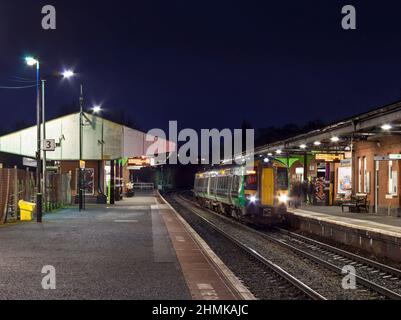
pixel 374 276
pixel 278 278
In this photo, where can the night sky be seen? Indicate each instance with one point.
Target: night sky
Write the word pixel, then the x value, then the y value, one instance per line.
pixel 205 63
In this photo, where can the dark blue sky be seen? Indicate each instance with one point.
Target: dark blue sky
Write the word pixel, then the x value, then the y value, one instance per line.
pixel 206 63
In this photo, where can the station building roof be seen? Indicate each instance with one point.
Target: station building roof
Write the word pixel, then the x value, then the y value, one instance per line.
pixel 339 136
pixel 101 140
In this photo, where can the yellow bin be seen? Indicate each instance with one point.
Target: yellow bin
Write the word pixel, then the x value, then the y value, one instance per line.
pixel 26 209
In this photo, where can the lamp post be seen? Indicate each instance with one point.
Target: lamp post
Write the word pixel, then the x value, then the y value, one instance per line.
pixel 66 75
pixel 80 193
pixel 32 62
pixel 44 191
pixel 81 196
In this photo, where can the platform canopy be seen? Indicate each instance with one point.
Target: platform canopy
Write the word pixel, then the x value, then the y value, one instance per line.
pixel 366 126
pixel 101 140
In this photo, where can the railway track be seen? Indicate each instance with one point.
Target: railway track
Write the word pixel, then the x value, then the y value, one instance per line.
pixel 371 274
pixel 374 276
pixel 274 277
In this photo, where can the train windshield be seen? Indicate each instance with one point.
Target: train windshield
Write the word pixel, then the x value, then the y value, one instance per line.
pixel 251 182
pixel 282 178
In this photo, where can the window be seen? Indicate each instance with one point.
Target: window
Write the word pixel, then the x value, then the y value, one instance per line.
pixel 235 185
pixel 212 184
pixel 88 181
pixel 366 186
pixel 251 182
pixel 282 178
pixel 392 179
pixel 359 175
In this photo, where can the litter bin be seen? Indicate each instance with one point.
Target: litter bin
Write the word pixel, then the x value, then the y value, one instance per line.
pixel 26 209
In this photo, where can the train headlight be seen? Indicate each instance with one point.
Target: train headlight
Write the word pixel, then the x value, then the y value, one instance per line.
pixel 252 199
pixel 283 198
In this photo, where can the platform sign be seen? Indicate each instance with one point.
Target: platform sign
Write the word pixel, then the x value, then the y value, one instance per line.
pixel 329 157
pixel 346 163
pixel 382 158
pixel 139 162
pixel 28 162
pixel 395 156
pixel 49 145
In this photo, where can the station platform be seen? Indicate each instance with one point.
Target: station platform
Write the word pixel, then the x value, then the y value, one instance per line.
pixel 138 249
pixel 377 234
pixel 207 277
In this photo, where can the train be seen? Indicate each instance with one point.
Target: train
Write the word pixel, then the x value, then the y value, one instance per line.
pixel 255 193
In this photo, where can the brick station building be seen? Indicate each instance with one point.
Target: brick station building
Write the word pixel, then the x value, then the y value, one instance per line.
pixel 360 155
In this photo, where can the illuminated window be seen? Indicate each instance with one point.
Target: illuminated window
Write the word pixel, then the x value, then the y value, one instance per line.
pixel 392 179
pixel 365 176
pixel 359 175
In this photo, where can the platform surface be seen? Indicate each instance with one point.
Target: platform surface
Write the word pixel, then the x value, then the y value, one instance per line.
pixel 370 222
pixel 107 252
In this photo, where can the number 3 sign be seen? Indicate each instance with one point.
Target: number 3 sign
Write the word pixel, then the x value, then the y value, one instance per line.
pixel 49 145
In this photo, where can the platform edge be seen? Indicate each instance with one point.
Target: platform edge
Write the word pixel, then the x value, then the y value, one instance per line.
pixel 228 275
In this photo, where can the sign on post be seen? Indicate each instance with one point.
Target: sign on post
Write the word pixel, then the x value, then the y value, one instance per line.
pixel 49 145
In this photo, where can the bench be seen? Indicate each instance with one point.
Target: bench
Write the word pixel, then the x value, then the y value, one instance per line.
pixel 358 203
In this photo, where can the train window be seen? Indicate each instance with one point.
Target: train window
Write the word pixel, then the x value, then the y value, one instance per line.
pixel 282 178
pixel 215 180
pixel 251 182
pixel 235 185
pixel 225 183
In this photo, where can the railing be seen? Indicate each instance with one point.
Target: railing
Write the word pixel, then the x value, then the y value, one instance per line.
pixel 143 186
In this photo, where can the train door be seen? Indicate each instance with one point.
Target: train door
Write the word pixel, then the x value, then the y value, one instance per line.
pixel 267 186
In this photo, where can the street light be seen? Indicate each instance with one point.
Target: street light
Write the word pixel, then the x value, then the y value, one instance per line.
pixel 96 109
pixel 30 61
pixel 67 74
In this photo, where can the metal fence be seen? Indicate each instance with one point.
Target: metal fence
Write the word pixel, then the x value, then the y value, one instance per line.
pixel 16 185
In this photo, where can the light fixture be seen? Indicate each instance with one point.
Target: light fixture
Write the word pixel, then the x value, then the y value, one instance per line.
pixel 283 198
pixel 386 127
pixel 97 109
pixel 270 154
pixel 266 160
pixel 67 74
pixel 279 151
pixel 317 143
pixel 31 61
pixel 303 146
pixel 335 139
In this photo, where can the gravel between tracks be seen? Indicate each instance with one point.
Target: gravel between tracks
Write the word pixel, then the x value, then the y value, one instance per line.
pixel 326 282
